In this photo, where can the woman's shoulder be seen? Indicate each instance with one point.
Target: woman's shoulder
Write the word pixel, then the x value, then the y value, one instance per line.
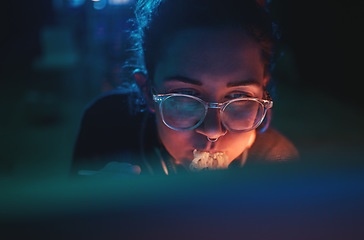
pixel 114 106
pixel 109 100
pixel 107 130
pixel 272 146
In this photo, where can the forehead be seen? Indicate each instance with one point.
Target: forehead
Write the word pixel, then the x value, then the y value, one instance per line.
pixel 210 53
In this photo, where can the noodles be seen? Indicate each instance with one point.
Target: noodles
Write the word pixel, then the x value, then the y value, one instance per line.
pixel 207 161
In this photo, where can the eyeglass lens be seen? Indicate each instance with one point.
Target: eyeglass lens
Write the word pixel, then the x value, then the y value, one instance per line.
pixel 181 112
pixel 241 115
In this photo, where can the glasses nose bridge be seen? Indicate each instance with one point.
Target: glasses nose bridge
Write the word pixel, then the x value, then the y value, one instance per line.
pixel 212 124
pixel 214 105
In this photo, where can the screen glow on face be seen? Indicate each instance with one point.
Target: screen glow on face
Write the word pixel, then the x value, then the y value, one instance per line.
pixel 209 84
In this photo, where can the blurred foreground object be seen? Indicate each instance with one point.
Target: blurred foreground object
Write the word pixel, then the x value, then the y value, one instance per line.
pixel 289 201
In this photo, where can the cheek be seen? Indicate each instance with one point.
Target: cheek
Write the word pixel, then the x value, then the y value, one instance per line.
pixel 236 143
pixel 178 143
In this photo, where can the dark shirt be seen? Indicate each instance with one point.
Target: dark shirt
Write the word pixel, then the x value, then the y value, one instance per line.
pixel 111 130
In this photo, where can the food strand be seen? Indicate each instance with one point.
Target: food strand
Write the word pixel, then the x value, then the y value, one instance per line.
pixel 208 161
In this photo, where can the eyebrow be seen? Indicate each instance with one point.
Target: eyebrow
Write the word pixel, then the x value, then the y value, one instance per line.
pixel 184 79
pixel 244 83
pixel 198 83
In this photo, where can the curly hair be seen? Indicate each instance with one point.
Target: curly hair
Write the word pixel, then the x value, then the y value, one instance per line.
pixel 156 20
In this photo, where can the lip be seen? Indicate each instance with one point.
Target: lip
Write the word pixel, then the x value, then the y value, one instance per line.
pixel 205 147
pixel 211 151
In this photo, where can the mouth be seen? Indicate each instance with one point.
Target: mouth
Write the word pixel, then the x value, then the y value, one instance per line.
pixel 210 151
pixel 209 147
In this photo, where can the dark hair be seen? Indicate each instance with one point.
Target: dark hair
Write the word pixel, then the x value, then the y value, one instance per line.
pixel 156 20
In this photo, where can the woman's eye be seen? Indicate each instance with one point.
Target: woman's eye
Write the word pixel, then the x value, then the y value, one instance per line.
pixel 238 95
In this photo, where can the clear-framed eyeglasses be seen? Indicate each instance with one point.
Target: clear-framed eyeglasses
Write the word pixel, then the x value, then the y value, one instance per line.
pixel 185 112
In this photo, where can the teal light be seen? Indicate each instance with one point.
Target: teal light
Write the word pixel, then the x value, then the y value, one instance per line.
pixel 99 4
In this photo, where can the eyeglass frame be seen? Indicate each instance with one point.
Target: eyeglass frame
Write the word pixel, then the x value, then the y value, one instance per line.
pixel 266 103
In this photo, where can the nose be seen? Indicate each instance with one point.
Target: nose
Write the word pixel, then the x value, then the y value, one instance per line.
pixel 212 126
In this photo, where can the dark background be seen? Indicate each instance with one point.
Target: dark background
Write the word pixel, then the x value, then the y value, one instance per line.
pixel 56 58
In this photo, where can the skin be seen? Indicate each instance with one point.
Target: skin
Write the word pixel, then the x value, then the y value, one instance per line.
pixel 215 65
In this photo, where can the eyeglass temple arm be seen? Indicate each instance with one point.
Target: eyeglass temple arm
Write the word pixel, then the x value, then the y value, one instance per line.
pixel 267 97
pixel 158 98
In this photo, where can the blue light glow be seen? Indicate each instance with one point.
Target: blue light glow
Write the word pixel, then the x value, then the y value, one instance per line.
pixel 119 2
pixel 99 4
pixel 75 3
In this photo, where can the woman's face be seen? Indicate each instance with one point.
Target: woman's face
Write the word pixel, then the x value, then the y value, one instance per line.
pixel 214 65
